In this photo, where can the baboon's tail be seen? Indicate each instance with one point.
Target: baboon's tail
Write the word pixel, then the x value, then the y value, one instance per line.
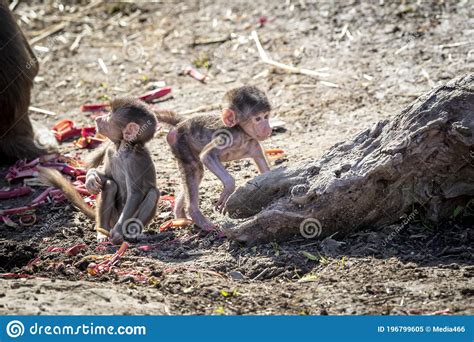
pixel 54 178
pixel 168 116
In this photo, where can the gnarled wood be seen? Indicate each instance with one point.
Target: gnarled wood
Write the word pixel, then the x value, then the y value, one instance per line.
pixel 423 157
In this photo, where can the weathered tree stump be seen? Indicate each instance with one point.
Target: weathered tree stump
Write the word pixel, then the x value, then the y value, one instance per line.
pixel 423 157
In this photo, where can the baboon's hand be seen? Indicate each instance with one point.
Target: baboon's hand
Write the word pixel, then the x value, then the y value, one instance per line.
pixel 93 182
pixel 222 202
pixel 115 236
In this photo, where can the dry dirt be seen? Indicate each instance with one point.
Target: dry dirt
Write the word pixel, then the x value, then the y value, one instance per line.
pixel 379 55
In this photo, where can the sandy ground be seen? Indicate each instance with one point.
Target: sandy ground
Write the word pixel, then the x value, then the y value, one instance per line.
pixel 375 58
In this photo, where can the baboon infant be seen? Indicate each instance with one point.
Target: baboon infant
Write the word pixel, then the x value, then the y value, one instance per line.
pixel 126 184
pixel 211 139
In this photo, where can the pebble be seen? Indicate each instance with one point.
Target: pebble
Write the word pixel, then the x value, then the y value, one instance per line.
pixel 236 275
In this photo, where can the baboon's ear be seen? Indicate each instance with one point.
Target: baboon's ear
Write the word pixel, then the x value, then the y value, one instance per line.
pixel 229 117
pixel 130 132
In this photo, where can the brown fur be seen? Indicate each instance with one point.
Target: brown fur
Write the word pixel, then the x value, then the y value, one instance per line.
pixel 18 68
pixel 54 178
pixel 195 143
pixel 169 117
pixel 126 185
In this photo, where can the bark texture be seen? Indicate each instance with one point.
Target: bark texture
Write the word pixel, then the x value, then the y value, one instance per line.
pixel 422 158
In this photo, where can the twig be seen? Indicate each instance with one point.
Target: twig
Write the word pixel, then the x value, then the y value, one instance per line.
pixel 103 66
pixel 329 84
pixel 76 42
pixel 345 32
pixel 91 5
pixel 408 95
pixel 425 74
pixel 260 274
pixel 13 5
pixel 261 74
pixel 440 312
pixel 267 60
pixel 201 109
pixel 41 111
pixel 107 299
pixel 197 253
pixel 454 45
pixel 47 33
pixel 210 41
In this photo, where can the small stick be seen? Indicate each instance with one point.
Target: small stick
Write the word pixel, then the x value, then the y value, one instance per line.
pixel 260 274
pixel 13 5
pixel 210 41
pixel 46 34
pixel 329 84
pixel 401 49
pixel 425 74
pixel 292 69
pixel 453 45
pixel 103 66
pixel 41 111
pixel 343 32
pixel 201 109
pixel 408 95
pixel 76 42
